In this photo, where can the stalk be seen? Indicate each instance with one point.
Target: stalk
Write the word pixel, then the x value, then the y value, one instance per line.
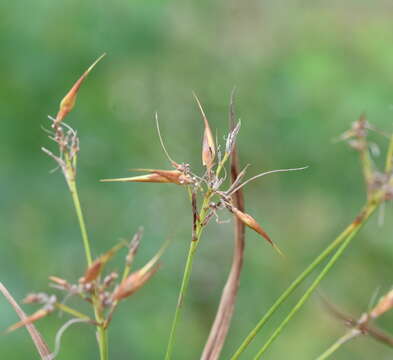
pixel 294 285
pixel 334 347
pixel 358 223
pixel 102 335
pixel 186 275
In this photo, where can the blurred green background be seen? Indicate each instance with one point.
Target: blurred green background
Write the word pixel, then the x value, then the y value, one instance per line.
pixel 304 70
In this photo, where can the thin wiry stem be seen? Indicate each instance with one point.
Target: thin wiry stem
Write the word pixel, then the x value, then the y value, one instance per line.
pixel 197 232
pixel 101 331
pixel 369 209
pixel 162 142
pixel 389 157
pixel 78 209
pixel 60 334
pixel 341 341
pixel 263 174
pixel 294 285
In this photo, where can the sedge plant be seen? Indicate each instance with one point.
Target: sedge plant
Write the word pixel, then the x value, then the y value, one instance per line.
pixel 102 290
pixel 209 194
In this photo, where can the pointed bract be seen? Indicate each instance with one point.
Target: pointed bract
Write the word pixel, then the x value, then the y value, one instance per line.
pixel 252 223
pixel 385 304
pixel 208 146
pixel 157 176
pixel 137 279
pixel 133 283
pixel 95 269
pixel 68 102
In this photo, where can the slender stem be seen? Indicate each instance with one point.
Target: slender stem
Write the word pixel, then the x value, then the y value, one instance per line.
pixel 103 342
pixel 341 341
pixel 101 330
pixel 370 208
pixel 389 157
pixel 76 313
pixel 78 209
pixel 187 275
pixel 182 293
pixel 320 258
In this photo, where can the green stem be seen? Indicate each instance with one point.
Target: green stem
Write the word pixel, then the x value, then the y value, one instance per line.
pixel 320 258
pixel 73 312
pixel 294 285
pixel 341 341
pixel 101 331
pixel 370 208
pixel 389 157
pixel 79 214
pixel 103 342
pixel 187 275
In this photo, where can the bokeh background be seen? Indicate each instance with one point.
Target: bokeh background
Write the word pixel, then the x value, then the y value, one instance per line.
pixel 304 70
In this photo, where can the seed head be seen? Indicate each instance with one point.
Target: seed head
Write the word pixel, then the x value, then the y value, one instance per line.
pixel 157 176
pixel 68 102
pixel 134 282
pixel 208 147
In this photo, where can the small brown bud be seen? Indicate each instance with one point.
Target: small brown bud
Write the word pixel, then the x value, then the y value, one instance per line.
pixel 252 223
pixel 208 146
pixel 134 282
pixel 36 298
pixel 137 279
pixel 59 281
pixel 95 269
pixel 92 272
pixel 110 278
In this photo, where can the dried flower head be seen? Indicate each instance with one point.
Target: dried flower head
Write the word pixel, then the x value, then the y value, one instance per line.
pixel 68 102
pixel 208 147
pixel 157 176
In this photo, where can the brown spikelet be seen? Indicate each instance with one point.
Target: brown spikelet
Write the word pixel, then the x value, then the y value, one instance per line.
pixel 30 319
pixel 385 304
pixel 68 102
pixel 208 147
pixel 156 176
pixel 134 282
pixel 137 279
pixel 92 272
pixel 59 281
pixel 95 269
pixel 252 223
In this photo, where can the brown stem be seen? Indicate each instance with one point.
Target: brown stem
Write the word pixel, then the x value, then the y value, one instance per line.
pixel 222 321
pixel 39 342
